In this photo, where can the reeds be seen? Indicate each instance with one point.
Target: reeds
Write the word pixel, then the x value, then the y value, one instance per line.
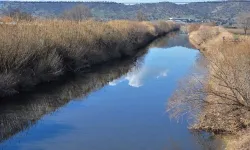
pixel 35 52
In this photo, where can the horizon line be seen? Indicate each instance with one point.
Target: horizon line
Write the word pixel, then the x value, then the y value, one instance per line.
pixel 132 3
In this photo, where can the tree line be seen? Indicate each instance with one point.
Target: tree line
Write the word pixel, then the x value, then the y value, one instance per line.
pixel 81 12
pixel 78 13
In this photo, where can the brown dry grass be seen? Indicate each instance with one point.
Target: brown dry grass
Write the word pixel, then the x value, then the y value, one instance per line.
pixel 221 99
pixel 227 90
pixel 237 31
pixel 193 27
pixel 241 141
pixel 34 52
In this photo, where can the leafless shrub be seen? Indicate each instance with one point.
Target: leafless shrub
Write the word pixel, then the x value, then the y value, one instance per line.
pixel 15 14
pixel 221 102
pixel 18 15
pixel 243 21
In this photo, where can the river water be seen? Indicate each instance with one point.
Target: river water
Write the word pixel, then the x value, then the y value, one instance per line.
pixel 120 105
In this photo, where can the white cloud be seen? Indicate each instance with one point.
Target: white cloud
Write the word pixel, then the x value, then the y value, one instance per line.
pixel 115 82
pixel 137 78
pixel 162 74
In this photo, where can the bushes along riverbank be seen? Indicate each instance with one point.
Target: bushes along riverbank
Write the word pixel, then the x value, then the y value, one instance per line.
pixel 222 98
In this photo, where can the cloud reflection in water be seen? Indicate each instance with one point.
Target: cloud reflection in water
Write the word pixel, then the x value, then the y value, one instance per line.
pixel 154 67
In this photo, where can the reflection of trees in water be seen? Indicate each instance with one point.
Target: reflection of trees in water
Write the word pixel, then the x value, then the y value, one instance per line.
pixel 19 112
pixel 163 41
pixel 188 102
pixel 207 141
pixel 171 40
pixel 202 141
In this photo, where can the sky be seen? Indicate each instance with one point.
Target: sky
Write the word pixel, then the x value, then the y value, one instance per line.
pixel 137 1
pixel 124 1
pixel 147 1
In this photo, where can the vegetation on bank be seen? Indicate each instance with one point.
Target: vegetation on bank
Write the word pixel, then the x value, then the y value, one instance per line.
pixel 40 51
pixel 220 101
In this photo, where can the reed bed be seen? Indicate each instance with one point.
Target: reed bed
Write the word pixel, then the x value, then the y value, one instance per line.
pixel 40 51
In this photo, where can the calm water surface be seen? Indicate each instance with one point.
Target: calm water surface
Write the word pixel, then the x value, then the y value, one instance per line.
pixel 118 106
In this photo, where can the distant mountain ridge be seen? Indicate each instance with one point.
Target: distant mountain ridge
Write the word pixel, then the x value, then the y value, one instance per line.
pixel 104 10
pixel 154 11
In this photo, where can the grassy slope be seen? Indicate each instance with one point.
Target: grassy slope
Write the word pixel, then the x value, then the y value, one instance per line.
pixel 37 52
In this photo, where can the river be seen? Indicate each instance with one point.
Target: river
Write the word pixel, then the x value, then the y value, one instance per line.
pixel 120 105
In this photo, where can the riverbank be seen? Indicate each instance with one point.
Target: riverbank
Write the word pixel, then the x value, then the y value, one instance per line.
pixel 49 97
pixel 225 109
pixel 41 51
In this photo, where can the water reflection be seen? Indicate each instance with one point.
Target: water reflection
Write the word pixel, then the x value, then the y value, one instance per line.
pixel 203 140
pixel 155 65
pixel 185 103
pixel 136 77
pixel 128 113
pixel 173 39
pixel 18 113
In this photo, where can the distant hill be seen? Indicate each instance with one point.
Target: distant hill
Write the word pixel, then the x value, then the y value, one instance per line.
pixel 110 10
pixel 104 10
pixel 227 10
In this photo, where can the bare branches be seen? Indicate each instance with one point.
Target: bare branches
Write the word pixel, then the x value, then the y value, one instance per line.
pixel 244 21
pixel 221 101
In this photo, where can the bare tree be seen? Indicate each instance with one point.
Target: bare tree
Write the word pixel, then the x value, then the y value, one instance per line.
pixel 243 21
pixel 18 15
pixel 141 16
pixel 78 13
pixel 221 101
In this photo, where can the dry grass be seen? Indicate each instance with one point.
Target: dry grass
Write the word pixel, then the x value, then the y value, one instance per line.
pixel 237 31
pixel 239 142
pixel 220 101
pixel 193 27
pixel 35 52
pixel 196 26
pixel 203 35
pixel 227 101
